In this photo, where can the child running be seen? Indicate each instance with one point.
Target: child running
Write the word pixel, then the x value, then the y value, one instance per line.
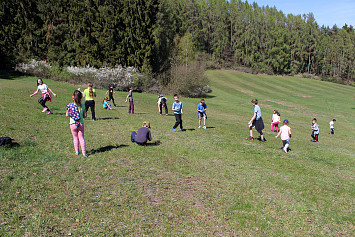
pixel 315 130
pixel 285 132
pixel 130 98
pixel 46 96
pixel 201 110
pixel 162 104
pixel 76 111
pixel 142 135
pixel 106 105
pixel 257 122
pixel 110 95
pixel 89 94
pixel 331 126
pixel 275 121
pixel 177 108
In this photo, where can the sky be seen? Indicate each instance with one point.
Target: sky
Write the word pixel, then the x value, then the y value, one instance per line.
pixel 326 12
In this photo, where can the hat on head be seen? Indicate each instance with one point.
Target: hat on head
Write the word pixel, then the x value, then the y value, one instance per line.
pixel 285 121
pixel 161 95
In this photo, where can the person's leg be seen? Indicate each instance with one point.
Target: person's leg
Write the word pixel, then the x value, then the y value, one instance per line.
pixel 261 136
pixel 204 120
pixel 317 137
pixel 312 135
pixel 160 108
pixel 132 107
pixel 133 135
pixel 166 109
pixel 82 139
pixel 93 110
pixel 86 106
pixel 177 121
pixel 287 144
pixel 277 127
pixel 113 101
pixel 251 131
pixel 74 131
pixel 199 123
pixel 272 127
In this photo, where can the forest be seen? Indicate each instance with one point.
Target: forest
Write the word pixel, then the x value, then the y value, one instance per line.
pixel 155 35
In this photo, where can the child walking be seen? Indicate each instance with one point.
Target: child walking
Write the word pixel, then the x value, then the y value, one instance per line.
pixel 110 95
pixel 285 132
pixel 177 108
pixel 89 94
pixel 106 105
pixel 257 122
pixel 331 126
pixel 201 110
pixel 315 130
pixel 77 112
pixel 46 96
pixel 162 104
pixel 130 98
pixel 276 119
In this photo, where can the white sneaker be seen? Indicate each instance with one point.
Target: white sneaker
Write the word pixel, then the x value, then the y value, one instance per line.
pixel 44 110
pixel 199 126
pixel 285 150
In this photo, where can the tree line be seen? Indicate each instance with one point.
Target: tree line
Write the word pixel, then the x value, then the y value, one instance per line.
pixel 154 35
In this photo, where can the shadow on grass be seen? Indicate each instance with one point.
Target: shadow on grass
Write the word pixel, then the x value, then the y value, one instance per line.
pixel 188 129
pixel 210 127
pixel 156 143
pixel 107 118
pixel 139 113
pixel 209 96
pixel 10 75
pixel 106 148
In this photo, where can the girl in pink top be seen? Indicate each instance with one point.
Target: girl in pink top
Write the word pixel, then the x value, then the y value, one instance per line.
pixel 46 96
pixel 276 119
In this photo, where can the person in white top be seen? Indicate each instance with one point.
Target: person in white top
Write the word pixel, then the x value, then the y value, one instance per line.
pixel 285 132
pixel 276 119
pixel 331 126
pixel 46 96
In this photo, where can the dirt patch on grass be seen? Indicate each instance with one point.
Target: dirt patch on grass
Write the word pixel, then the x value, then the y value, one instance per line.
pixel 248 92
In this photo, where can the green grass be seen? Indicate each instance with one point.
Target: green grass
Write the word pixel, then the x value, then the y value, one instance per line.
pixel 198 182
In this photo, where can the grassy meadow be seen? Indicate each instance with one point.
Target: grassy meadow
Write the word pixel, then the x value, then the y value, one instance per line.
pixel 192 183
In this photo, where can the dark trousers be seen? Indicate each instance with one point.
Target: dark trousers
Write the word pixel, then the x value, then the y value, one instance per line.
pixel 332 131
pixel 314 136
pixel 161 108
pixel 131 107
pixel 91 104
pixel 178 121
pixel 43 101
pixel 110 97
pixel 133 135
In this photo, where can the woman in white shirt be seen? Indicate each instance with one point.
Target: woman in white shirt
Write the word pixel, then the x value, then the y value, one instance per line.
pixel 46 96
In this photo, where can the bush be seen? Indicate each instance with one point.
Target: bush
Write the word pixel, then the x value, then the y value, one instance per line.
pixel 122 78
pixel 189 80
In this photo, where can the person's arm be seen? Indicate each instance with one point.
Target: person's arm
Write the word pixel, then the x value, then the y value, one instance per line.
pixel 278 134
pixel 181 111
pixel 66 114
pixel 149 135
pixel 52 92
pixel 252 119
pixel 290 133
pixel 127 98
pixel 106 92
pixel 84 113
pixel 95 93
pixel 34 92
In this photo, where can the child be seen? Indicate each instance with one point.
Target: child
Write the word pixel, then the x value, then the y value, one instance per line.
pixel 46 96
pixel 110 95
pixel 331 126
pixel 106 105
pixel 162 104
pixel 201 110
pixel 89 95
pixel 285 132
pixel 177 108
pixel 256 121
pixel 143 135
pixel 275 121
pixel 130 98
pixel 77 112
pixel 315 130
